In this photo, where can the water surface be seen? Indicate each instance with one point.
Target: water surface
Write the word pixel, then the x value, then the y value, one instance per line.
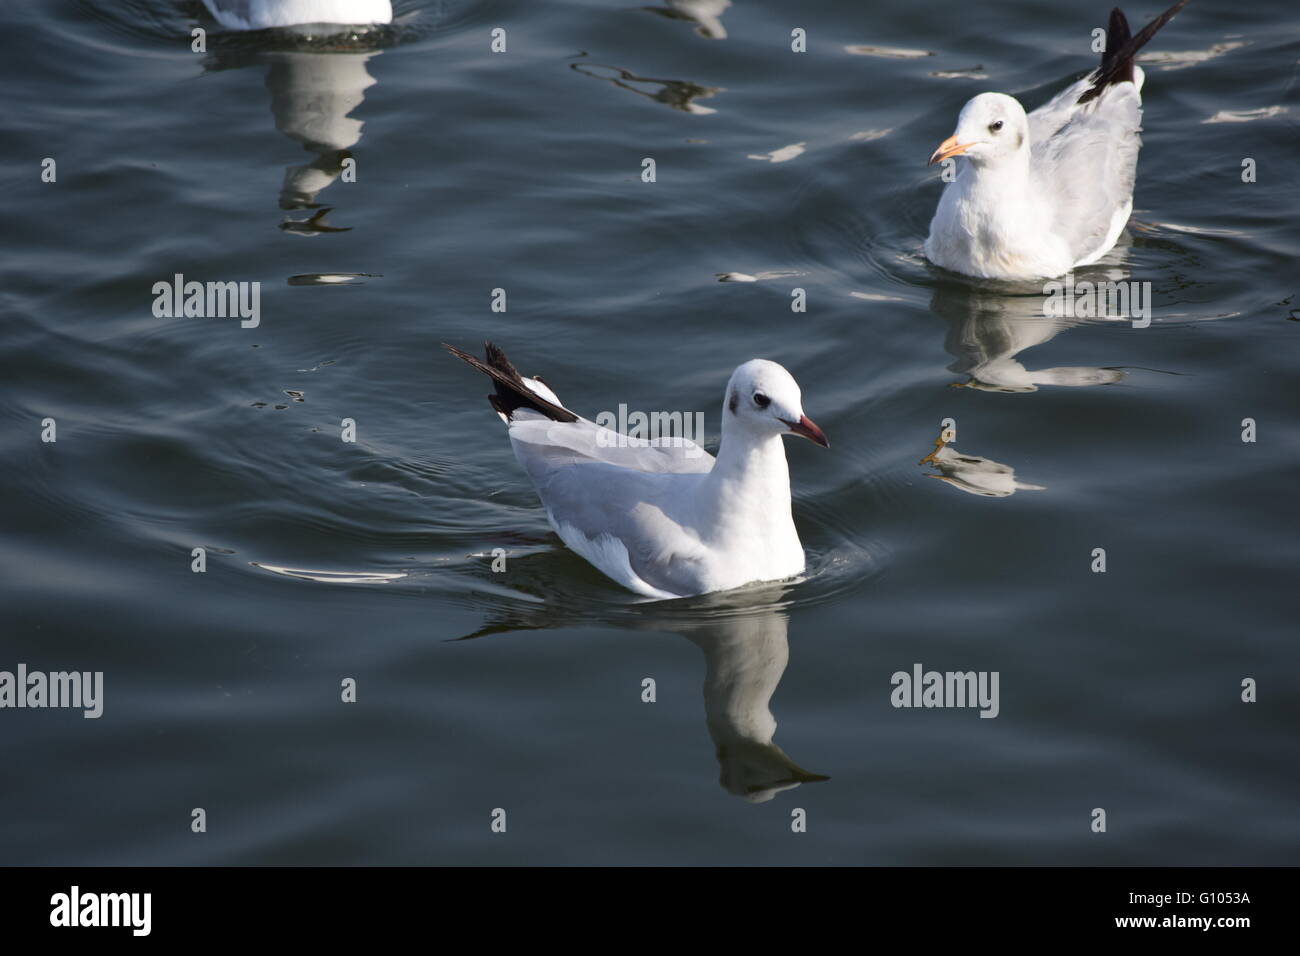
pixel 371 560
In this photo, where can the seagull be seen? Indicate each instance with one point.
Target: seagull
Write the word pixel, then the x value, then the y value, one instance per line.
pixel 272 14
pixel 1042 193
pixel 662 517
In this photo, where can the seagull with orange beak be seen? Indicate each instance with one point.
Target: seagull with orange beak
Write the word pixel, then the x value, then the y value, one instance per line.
pixel 1036 194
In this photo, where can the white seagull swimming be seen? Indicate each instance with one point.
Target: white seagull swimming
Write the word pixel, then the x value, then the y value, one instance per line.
pixel 1042 193
pixel 662 517
pixel 277 14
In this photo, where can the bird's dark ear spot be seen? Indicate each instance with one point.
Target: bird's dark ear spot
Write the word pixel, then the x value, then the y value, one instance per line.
pixel 731 402
pixel 1020 139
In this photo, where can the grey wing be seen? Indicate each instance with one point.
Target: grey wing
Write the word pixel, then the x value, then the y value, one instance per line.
pixel 584 441
pixel 1084 159
pixel 1045 121
pixel 616 506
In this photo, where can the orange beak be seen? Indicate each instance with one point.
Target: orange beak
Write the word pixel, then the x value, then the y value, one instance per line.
pixel 949 147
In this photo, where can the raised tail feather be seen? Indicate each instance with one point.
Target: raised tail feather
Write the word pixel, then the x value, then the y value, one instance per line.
pixel 1117 34
pixel 511 391
pixel 1121 48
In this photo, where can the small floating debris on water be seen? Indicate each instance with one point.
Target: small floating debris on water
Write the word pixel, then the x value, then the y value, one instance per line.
pixel 1245 116
pixel 322 365
pixel 332 278
pixel 867 135
pixel 1181 60
pixel 893 52
pixel 295 395
pixel 332 577
pixel 973 474
pixel 975 72
pixel 873 297
pixel 1196 230
pixel 746 277
pixel 782 155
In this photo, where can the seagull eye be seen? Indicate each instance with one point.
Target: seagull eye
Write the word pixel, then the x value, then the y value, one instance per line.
pixel 995 126
pixel 761 400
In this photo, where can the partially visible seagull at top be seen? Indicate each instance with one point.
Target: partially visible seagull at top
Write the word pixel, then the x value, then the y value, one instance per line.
pixel 1039 194
pixel 663 517
pixel 273 14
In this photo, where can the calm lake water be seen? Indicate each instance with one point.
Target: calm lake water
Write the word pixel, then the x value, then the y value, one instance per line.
pixel 368 560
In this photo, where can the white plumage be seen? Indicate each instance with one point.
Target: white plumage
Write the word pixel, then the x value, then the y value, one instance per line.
pixel 1038 194
pixel 277 14
pixel 662 517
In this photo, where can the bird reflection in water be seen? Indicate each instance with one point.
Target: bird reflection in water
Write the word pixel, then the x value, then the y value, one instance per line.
pixel 312 95
pixel 705 14
pixel 989 328
pixel 317 76
pixel 745 657
pixel 314 226
pixel 679 94
pixel 743 635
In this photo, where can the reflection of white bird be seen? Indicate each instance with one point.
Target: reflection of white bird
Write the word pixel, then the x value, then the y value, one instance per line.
pixel 273 14
pixel 664 518
pixel 994 344
pixel 707 14
pixel 1045 192
pixel 743 635
pixel 989 331
pixel 679 94
pixel 745 657
pixel 312 227
pixel 312 97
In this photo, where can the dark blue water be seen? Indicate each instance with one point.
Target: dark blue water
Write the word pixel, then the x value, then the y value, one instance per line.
pixel 367 560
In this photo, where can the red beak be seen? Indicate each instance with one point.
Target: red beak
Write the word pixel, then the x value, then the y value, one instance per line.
pixel 808 430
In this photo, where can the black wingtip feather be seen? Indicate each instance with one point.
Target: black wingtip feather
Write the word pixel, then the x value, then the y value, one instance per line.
pixel 511 392
pixel 1117 34
pixel 1121 49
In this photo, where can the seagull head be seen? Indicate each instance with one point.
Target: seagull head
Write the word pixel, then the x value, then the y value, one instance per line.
pixel 990 128
pixel 764 399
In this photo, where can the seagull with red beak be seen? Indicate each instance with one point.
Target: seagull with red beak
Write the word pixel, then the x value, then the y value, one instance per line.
pixel 662 516
pixel 1037 194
